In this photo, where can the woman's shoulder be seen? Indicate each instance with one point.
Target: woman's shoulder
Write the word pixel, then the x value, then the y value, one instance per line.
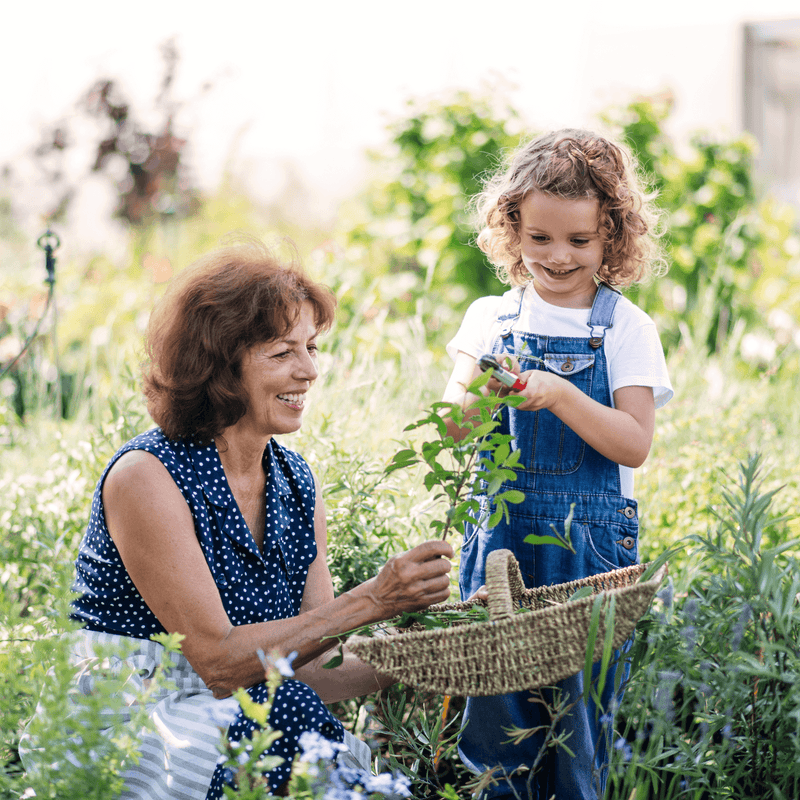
pixel 143 458
pixel 147 455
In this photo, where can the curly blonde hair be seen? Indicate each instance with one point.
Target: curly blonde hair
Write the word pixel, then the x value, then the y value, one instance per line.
pixel 571 164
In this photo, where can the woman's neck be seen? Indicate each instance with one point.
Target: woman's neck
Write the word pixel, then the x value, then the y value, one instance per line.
pixel 241 454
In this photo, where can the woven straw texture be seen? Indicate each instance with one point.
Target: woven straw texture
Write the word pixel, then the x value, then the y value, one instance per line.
pixel 511 651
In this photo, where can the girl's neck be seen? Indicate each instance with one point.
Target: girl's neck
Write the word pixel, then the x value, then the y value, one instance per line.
pixel 566 301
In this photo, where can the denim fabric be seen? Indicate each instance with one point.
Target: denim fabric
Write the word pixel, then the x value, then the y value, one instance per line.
pixel 559 470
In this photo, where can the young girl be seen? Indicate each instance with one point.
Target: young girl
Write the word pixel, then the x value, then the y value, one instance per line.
pixel 564 223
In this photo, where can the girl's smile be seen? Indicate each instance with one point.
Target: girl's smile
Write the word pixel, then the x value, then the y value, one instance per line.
pixel 561 247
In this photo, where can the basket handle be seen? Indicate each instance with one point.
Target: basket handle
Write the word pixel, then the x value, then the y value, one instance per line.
pixel 503 583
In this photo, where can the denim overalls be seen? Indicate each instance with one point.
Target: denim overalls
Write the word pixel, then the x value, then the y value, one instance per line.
pixel 558 470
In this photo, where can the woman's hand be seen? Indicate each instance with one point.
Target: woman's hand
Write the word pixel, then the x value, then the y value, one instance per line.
pixel 480 594
pixel 412 580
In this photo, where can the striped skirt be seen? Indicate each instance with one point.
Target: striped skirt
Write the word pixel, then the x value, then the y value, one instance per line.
pixel 179 752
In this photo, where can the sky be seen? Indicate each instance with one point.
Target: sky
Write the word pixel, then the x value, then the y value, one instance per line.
pixel 266 86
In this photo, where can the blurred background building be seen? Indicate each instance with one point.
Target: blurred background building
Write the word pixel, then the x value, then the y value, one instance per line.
pixel 771 103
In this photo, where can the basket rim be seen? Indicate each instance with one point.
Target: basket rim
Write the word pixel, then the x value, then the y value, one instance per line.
pixel 517 620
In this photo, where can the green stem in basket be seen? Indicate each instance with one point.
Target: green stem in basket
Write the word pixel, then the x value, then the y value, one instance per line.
pixel 481 462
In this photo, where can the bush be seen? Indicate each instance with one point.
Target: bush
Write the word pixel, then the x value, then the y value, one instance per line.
pixel 712 709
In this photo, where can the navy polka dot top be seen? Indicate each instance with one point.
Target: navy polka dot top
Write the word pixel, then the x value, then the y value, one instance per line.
pixel 254 586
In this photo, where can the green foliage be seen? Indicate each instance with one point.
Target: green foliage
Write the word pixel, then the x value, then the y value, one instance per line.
pixel 721 410
pixel 416 219
pixel 721 238
pixel 480 461
pixel 734 283
pixel 106 717
pixel 421 737
pixel 713 709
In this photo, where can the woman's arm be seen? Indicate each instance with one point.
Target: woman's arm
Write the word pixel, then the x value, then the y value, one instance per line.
pixel 352 678
pixel 152 526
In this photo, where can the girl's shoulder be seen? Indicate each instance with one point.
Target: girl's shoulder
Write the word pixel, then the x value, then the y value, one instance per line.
pixel 630 316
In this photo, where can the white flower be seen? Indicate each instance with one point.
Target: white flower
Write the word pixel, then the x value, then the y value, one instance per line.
pixel 284 665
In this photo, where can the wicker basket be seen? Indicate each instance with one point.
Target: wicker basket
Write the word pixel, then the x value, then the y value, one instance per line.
pixel 511 651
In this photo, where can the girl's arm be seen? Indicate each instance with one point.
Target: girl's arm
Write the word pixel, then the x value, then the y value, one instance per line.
pixel 623 434
pixel 152 527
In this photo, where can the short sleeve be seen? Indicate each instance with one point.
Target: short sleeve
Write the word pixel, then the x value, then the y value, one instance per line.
pixel 638 359
pixel 475 335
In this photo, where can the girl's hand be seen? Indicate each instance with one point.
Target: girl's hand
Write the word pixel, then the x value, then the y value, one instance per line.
pixel 542 390
pixel 480 594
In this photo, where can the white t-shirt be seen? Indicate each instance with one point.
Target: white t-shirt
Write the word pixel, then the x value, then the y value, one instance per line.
pixel 632 346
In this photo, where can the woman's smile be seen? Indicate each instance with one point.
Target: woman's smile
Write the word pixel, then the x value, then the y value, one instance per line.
pixel 277 375
pixel 296 400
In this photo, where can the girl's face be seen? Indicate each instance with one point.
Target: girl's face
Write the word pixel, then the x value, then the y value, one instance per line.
pixel 276 376
pixel 561 247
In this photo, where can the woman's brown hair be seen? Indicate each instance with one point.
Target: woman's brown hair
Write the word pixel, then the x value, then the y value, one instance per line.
pixel 573 164
pixel 226 302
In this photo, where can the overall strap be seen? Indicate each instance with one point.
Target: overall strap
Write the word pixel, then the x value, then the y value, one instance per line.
pixel 600 320
pixel 510 309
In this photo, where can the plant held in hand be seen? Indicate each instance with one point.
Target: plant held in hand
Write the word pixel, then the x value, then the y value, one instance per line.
pixel 482 461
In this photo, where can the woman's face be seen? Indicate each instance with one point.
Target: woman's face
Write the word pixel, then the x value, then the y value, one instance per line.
pixel 276 376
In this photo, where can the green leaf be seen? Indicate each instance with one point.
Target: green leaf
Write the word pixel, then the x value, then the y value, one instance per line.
pixel 336 661
pixel 534 539
pixel 594 627
pixel 512 496
pixel 495 517
pixel 578 594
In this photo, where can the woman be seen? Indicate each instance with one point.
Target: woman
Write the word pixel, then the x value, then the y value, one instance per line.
pixel 208 527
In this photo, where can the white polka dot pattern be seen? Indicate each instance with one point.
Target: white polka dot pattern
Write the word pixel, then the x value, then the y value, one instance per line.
pixel 253 586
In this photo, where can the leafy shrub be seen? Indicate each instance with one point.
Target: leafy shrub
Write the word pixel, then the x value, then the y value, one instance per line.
pixel 712 710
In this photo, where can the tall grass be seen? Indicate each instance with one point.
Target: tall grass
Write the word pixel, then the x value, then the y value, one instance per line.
pixel 378 373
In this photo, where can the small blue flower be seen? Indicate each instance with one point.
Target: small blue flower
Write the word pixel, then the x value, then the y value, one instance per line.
pixel 624 748
pixel 221 713
pixel 727 731
pixel 284 665
pixel 666 594
pixel 347 777
pixel 383 783
pixel 316 747
pixel 335 793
